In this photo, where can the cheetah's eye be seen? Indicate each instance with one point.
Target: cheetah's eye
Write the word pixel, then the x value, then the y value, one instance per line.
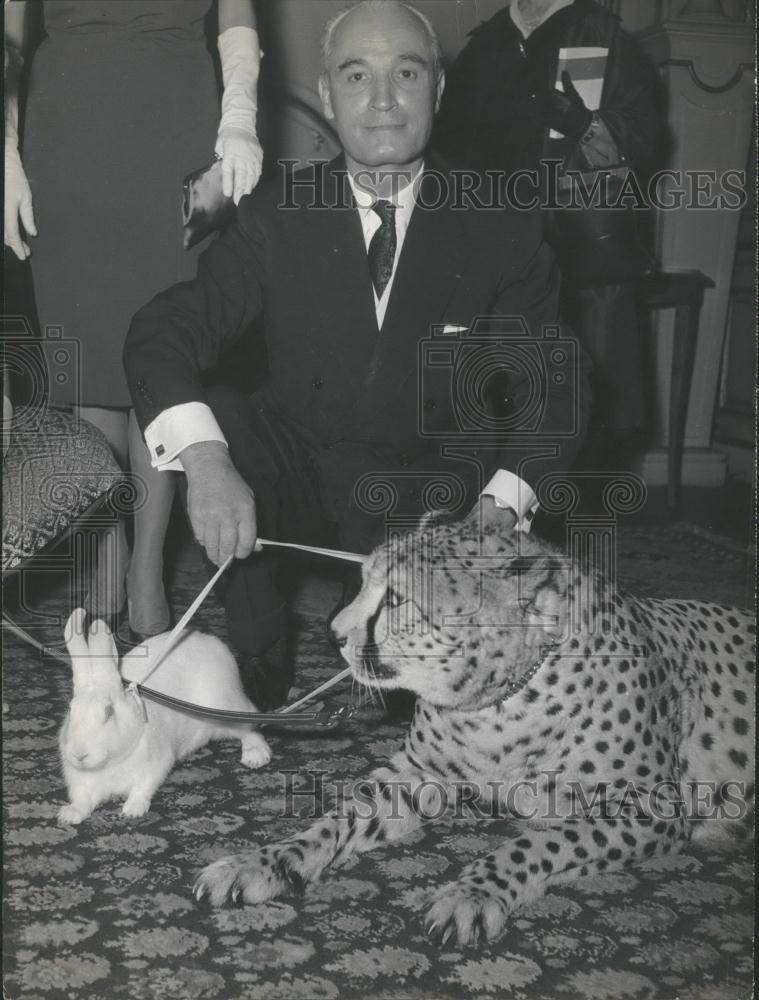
pixel 394 599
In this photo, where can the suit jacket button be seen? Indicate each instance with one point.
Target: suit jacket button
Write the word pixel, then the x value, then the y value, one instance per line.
pixel 317 382
pixel 430 405
pixel 404 460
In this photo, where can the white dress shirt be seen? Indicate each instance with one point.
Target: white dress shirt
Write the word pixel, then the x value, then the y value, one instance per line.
pixel 405 200
pixel 179 426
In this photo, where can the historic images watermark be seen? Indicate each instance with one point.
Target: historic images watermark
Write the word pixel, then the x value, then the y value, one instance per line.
pixel 548 797
pixel 549 186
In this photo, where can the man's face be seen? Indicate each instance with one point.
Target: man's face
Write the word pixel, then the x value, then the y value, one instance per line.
pixel 381 89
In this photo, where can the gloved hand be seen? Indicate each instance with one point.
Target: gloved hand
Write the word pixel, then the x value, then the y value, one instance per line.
pixel 18 203
pixel 237 142
pixel 565 111
pixel 18 195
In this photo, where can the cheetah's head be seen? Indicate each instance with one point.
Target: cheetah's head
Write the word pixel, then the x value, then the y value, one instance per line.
pixel 456 613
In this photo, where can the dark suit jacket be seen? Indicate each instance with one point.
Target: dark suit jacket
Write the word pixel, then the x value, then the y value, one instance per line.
pixel 296 257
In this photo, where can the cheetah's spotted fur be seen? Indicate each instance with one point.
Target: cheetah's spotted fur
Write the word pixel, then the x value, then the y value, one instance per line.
pixel 636 708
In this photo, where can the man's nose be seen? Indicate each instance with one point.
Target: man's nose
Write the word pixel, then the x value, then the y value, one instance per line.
pixel 383 94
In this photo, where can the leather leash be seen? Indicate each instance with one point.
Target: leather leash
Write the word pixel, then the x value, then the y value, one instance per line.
pixel 323 719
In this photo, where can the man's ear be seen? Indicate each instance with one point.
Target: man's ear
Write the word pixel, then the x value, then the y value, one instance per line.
pixel 325 94
pixel 439 88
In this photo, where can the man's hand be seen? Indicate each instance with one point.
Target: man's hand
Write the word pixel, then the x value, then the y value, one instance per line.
pixel 220 503
pixel 485 511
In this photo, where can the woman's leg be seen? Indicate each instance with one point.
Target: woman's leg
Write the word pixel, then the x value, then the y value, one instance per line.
pixel 148 608
pixel 107 592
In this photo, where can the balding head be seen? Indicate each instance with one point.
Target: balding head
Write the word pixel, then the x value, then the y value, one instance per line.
pixel 328 36
pixel 382 83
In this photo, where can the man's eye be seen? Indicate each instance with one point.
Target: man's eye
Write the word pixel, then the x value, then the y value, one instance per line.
pixel 357 77
pixel 408 74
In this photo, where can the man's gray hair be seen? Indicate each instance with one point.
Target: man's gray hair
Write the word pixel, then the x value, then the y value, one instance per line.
pixel 328 36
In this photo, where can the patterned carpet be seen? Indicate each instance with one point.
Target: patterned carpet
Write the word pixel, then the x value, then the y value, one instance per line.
pixel 105 911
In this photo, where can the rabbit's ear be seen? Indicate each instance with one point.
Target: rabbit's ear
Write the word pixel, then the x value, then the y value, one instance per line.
pixel 76 644
pixel 102 647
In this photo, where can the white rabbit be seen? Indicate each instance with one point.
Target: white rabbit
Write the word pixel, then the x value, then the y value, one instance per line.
pixel 109 750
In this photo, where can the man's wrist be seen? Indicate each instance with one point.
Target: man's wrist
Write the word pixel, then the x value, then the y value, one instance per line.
pixel 199 457
pixel 506 513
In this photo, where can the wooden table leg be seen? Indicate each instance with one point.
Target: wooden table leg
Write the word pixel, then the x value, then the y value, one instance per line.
pixel 683 357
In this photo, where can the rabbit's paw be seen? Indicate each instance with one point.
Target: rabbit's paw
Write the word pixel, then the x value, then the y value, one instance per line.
pixel 255 750
pixel 252 877
pixel 136 805
pixel 467 912
pixel 71 815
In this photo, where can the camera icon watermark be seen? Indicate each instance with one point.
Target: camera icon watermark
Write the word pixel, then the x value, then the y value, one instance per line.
pixel 494 379
pixel 37 369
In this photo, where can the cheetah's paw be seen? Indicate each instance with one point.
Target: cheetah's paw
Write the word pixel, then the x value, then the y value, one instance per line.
pixel 251 877
pixel 467 911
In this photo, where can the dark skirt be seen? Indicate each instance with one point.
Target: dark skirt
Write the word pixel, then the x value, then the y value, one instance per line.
pixel 122 104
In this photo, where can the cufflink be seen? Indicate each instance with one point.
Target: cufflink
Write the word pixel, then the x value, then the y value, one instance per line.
pixel 160 450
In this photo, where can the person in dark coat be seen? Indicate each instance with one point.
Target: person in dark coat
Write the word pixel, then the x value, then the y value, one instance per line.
pixel 352 268
pixel 509 107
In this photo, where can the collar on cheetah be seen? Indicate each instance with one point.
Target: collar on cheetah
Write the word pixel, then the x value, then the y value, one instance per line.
pixel 515 686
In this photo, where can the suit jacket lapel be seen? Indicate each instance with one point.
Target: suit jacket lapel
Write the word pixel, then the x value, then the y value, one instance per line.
pixel 427 276
pixel 343 318
pixel 427 271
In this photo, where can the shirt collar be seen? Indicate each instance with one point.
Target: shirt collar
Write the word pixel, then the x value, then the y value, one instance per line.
pixel 404 198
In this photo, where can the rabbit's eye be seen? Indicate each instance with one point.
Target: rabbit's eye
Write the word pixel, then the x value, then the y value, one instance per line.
pixel 108 713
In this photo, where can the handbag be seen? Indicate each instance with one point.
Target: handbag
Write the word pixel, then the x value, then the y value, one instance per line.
pixel 598 244
pixel 205 207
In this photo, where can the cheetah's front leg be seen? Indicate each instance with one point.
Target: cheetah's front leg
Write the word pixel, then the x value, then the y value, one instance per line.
pixel 389 808
pixel 489 889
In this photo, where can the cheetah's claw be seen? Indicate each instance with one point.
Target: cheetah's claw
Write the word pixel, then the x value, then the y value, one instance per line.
pixel 466 911
pixel 240 878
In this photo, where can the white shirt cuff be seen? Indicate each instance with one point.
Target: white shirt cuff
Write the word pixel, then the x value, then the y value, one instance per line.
pixel 508 490
pixel 177 428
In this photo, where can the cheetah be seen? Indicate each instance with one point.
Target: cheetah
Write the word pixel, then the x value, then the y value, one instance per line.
pixel 615 728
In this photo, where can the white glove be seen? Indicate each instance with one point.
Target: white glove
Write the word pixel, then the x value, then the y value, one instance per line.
pixel 18 194
pixel 18 203
pixel 236 142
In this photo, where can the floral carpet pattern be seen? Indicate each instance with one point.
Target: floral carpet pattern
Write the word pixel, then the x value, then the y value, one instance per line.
pixel 105 910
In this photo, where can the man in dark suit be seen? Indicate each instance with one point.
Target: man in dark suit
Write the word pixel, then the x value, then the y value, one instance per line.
pixel 350 267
